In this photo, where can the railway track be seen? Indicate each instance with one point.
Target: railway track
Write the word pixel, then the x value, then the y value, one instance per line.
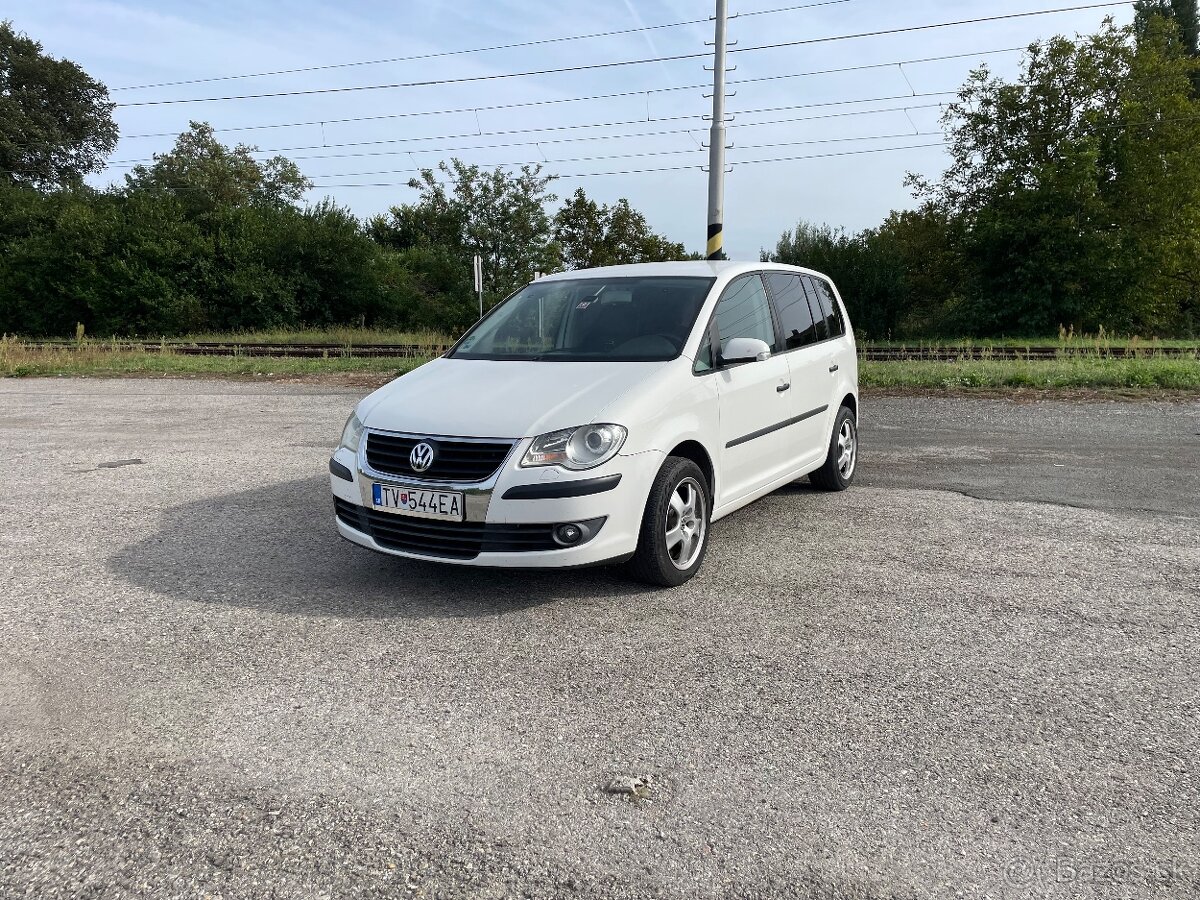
pixel 318 351
pixel 953 354
pixel 411 351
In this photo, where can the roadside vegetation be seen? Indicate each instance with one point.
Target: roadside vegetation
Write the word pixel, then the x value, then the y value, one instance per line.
pixel 1149 373
pixel 106 358
pixel 97 358
pixel 349 337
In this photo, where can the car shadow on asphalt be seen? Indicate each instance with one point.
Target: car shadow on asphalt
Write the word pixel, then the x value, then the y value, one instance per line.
pixel 276 548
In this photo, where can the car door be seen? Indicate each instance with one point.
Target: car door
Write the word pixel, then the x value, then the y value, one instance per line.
pixel 752 396
pixel 841 348
pixel 836 349
pixel 807 356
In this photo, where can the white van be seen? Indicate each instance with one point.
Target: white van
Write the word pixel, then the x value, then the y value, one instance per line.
pixel 607 415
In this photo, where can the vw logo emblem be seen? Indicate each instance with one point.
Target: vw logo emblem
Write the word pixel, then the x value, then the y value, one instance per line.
pixel 421 457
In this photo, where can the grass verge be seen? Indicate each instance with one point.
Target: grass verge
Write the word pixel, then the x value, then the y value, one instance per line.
pixel 1052 374
pixel 17 360
pixel 1090 373
pixel 1080 344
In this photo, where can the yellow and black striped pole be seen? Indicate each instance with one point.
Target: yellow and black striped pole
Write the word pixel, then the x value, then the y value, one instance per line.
pixel 716 142
pixel 716 241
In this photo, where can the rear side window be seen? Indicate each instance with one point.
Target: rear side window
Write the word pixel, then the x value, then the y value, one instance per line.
pixel 814 304
pixel 795 315
pixel 744 311
pixel 829 307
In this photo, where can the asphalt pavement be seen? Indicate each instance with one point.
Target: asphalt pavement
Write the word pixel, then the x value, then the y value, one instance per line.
pixel 974 674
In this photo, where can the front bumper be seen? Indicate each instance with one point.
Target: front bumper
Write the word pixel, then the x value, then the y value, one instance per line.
pixel 515 507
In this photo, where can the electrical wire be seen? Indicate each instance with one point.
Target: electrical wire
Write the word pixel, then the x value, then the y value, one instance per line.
pixel 619 94
pixel 446 53
pixel 649 153
pixel 497 76
pixel 747 162
pixel 558 128
pixel 597 137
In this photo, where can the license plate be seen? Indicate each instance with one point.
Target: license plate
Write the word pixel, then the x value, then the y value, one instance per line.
pixel 420 504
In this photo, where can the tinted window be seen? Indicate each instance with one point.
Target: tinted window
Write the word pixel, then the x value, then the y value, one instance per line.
pixel 744 311
pixel 794 314
pixel 814 304
pixel 829 307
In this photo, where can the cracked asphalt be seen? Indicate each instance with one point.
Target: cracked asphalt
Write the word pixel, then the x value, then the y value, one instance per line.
pixel 972 675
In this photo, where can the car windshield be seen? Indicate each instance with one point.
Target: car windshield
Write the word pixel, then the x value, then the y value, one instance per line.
pixel 572 320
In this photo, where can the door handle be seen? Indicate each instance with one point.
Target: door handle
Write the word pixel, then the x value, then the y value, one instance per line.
pixel 833 368
pixel 783 387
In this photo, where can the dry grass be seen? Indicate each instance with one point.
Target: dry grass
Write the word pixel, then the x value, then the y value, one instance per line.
pixel 94 358
pixel 17 358
pixel 1153 372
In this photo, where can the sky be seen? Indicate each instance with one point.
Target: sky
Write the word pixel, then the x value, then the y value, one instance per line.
pixel 808 144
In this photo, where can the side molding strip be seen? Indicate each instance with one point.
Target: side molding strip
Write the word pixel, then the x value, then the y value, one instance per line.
pixel 762 432
pixel 556 491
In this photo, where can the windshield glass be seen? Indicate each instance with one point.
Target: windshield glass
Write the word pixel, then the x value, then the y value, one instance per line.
pixel 617 319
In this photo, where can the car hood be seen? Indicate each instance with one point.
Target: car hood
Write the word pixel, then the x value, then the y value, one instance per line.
pixel 501 399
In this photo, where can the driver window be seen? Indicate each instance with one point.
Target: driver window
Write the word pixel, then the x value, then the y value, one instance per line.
pixel 744 311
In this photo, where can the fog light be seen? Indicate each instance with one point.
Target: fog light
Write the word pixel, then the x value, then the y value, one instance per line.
pixel 568 535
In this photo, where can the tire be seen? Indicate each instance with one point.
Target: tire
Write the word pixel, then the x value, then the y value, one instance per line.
pixel 842 460
pixel 669 551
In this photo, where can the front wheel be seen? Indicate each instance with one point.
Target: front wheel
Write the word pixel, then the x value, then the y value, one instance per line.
pixel 674 534
pixel 842 459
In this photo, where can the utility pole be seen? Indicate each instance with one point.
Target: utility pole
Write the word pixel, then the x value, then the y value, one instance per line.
pixel 716 141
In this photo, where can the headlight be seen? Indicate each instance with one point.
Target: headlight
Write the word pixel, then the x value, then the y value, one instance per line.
pixel 352 434
pixel 584 447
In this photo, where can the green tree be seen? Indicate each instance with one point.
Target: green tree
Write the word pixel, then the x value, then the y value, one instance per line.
pixel 922 245
pixel 1071 188
pixel 207 176
pixel 867 272
pixel 502 217
pixel 1182 13
pixel 589 235
pixel 431 264
pixel 56 122
pixel 1184 16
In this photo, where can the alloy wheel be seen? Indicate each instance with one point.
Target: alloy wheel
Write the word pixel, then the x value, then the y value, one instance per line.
pixel 847 448
pixel 685 523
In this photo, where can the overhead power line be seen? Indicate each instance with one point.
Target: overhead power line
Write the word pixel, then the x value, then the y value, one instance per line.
pixel 600 137
pixel 620 63
pixel 747 162
pixel 651 153
pixel 553 129
pixel 642 154
pixel 1111 126
pixel 495 47
pixel 1115 126
pixel 464 110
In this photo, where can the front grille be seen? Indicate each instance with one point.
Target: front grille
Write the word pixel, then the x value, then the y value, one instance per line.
pixel 446 540
pixel 454 460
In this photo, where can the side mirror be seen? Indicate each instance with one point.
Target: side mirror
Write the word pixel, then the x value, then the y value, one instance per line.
pixel 744 350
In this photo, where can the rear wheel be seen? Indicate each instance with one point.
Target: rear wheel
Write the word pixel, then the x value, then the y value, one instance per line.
pixel 674 534
pixel 842 459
